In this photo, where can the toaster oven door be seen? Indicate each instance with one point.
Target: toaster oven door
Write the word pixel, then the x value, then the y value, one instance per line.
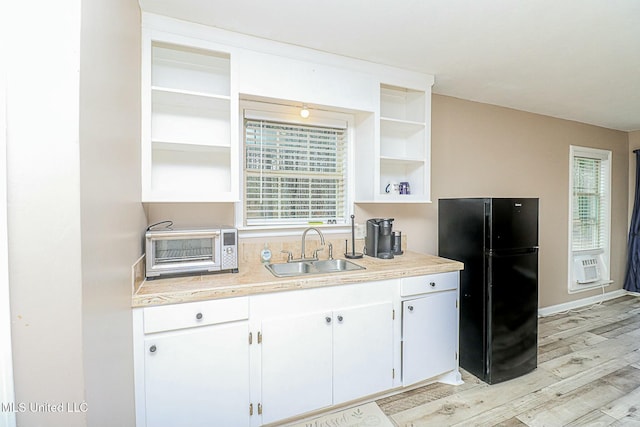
pixel 178 253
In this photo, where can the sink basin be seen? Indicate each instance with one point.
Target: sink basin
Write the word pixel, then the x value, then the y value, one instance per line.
pixel 332 265
pixel 290 269
pixel 302 268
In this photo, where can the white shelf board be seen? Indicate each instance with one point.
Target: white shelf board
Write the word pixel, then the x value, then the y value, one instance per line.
pixel 392 199
pixel 188 146
pixel 400 122
pixel 400 128
pixel 178 92
pixel 401 160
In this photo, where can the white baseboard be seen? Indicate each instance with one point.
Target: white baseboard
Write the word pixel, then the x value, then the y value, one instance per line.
pixel 555 309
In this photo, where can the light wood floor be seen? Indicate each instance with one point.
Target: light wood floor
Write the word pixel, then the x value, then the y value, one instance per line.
pixel 588 375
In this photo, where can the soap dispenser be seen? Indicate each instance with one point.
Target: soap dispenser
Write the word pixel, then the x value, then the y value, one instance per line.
pixel 265 254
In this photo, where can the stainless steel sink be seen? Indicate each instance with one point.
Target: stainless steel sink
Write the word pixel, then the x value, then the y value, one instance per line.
pixel 301 268
pixel 290 269
pixel 332 265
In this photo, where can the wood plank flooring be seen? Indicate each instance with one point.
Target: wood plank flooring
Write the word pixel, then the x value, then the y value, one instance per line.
pixel 588 375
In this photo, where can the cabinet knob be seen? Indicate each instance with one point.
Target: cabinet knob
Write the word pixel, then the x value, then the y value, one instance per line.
pixel 432 284
pixel 152 349
pixel 410 308
pixel 339 318
pixel 199 316
pixel 328 319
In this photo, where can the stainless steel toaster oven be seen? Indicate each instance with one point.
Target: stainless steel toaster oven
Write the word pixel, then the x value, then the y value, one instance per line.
pixel 191 251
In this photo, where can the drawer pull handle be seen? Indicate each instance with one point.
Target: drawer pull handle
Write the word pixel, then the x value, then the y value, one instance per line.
pixel 327 319
pixel 339 318
pixel 152 349
pixel 432 284
pixel 199 316
pixel 410 308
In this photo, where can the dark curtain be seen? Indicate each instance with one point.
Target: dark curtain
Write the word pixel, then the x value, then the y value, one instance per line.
pixel 632 278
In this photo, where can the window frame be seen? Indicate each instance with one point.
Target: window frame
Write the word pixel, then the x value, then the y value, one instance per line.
pixel 604 253
pixel 288 112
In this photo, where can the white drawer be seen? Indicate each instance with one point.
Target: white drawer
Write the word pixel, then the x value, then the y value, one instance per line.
pixel 192 314
pixel 429 283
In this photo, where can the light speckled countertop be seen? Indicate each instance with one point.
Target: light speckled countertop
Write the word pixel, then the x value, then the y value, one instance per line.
pixel 254 278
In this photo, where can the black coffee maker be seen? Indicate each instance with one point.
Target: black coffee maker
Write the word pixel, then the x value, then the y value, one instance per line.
pixel 379 238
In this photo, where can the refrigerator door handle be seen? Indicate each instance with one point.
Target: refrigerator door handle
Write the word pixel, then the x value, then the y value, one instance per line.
pixel 512 252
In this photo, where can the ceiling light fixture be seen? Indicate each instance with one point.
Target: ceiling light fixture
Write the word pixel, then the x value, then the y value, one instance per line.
pixel 304 113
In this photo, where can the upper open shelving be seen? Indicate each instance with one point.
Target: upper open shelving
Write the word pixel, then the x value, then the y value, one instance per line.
pixel 403 150
pixel 187 148
pixel 190 70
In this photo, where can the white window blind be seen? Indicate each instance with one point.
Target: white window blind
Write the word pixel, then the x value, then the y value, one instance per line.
pixel 294 173
pixel 590 206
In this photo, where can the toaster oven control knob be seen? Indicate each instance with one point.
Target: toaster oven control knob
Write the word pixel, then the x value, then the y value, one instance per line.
pixel 199 316
pixel 152 349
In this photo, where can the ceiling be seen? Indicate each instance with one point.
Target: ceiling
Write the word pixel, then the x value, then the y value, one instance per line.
pixel 572 59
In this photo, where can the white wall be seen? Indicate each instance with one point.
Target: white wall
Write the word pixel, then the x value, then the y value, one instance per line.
pixel 43 194
pixel 75 219
pixel 112 220
pixel 7 419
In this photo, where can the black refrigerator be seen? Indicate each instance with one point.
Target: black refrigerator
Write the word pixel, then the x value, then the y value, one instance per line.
pixel 497 240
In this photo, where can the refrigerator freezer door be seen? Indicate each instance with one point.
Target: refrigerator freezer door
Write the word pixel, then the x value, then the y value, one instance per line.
pixel 513 224
pixel 513 315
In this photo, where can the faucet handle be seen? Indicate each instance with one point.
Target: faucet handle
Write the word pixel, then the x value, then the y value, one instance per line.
pixel 289 255
pixel 315 252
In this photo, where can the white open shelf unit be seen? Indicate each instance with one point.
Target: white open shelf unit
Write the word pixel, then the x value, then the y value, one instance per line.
pixel 403 150
pixel 189 138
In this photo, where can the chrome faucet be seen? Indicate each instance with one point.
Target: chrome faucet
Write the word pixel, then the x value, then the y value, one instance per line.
pixel 315 253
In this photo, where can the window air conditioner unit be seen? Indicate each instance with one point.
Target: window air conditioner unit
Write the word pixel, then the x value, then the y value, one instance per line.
pixel 588 269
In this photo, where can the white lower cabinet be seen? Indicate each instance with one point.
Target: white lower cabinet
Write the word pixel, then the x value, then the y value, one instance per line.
pixel 198 377
pixel 311 361
pixel 429 336
pixel 362 351
pixel 296 365
pixel 192 364
pixel 249 361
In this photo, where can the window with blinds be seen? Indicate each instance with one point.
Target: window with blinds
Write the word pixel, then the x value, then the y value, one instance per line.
pixel 294 173
pixel 590 201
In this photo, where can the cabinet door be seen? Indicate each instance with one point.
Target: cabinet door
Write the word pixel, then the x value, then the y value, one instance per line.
pixel 362 351
pixel 198 377
pixel 429 336
pixel 296 365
